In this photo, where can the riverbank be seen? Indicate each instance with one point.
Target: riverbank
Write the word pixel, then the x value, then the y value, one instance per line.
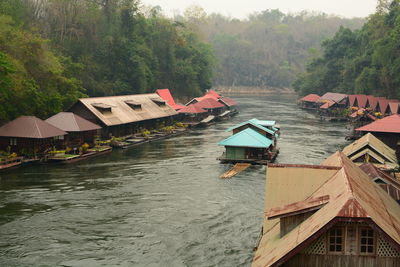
pixel 245 90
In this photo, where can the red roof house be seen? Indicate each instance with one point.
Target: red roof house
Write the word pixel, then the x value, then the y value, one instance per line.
pixel 327 104
pixel 386 129
pixel 213 94
pixel 372 101
pixel 390 124
pixel 359 101
pixel 167 96
pixel 192 109
pixel 335 97
pixel 209 103
pixel 383 105
pixel 310 98
pixel 394 107
pixel 227 101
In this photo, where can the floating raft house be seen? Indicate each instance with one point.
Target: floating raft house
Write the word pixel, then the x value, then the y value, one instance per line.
pixel 321 216
pixel 248 146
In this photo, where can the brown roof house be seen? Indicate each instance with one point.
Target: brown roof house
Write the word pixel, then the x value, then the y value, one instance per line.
pixel 31 136
pixel 323 215
pixel 388 183
pixel 369 149
pixel 124 115
pixel 79 130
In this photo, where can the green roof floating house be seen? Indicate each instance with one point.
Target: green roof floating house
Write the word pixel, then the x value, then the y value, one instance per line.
pixel 266 128
pixel 249 146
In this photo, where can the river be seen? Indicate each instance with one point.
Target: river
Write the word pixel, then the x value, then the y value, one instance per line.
pixel 158 204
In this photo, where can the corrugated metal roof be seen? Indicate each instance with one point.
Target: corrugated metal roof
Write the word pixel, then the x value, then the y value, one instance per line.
pixel 228 101
pixel 213 93
pixel 352 194
pixel 193 109
pixel 251 122
pixel 30 127
pixel 297 207
pixel 122 113
pixel 390 124
pixel 264 123
pixel 335 97
pixel 383 105
pixel 352 100
pixel 394 107
pixel 391 185
pixel 367 142
pixel 357 113
pixel 310 98
pixel 167 96
pixel 361 101
pixel 209 103
pixel 70 122
pixel 247 138
pixel 372 101
pixel 327 104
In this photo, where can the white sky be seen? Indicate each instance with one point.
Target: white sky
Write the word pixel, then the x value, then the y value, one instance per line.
pixel 242 8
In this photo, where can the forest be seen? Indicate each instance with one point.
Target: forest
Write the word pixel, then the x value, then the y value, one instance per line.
pixel 363 61
pixel 54 51
pixel 267 49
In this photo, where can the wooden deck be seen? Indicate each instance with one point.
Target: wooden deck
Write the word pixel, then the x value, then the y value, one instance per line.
pixel 10 163
pixel 237 168
pixel 90 154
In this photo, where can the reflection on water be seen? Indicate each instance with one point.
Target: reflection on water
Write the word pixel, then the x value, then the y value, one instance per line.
pixel 159 204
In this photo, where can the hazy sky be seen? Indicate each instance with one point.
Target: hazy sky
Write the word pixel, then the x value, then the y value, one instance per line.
pixel 241 8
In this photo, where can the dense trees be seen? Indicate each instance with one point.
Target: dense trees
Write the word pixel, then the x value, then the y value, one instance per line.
pixel 54 51
pixel 365 61
pixel 268 49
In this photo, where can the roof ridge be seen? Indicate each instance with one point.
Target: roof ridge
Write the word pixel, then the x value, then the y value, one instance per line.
pixel 38 128
pixel 74 120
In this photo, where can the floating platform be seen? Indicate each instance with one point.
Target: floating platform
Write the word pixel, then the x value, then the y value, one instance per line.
pixel 76 158
pixel 11 163
pixel 224 160
pixel 236 169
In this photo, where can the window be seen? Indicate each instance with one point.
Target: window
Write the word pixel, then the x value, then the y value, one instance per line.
pixel 134 105
pixel 13 141
pixel 367 241
pixel 336 240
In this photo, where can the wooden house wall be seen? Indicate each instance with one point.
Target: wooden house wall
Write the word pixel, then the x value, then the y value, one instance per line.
pixel 288 223
pixel 79 109
pixel 235 152
pixel 316 254
pixel 302 260
pixel 29 145
pixel 309 105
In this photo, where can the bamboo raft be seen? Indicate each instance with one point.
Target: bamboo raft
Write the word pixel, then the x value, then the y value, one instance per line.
pixel 237 168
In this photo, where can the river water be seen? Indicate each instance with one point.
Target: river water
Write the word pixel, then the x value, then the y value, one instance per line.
pixel 158 204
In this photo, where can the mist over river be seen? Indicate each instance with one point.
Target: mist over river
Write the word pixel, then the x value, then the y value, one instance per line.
pixel 157 204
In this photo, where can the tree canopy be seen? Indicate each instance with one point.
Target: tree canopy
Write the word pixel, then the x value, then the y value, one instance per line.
pixel 269 48
pixel 365 61
pixel 55 51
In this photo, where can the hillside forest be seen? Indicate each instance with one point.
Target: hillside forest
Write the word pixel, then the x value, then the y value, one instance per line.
pixel 362 61
pixel 53 52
